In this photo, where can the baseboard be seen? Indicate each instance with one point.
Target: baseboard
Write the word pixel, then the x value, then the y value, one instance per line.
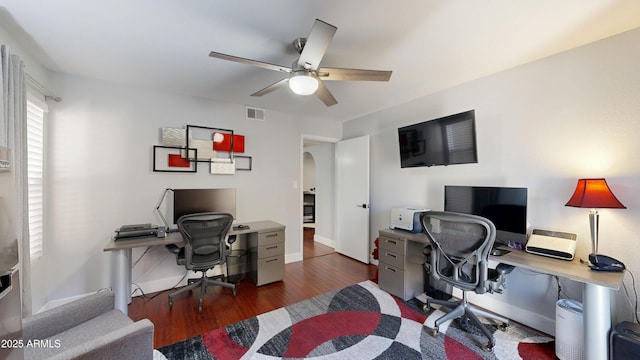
pixel 290 258
pixel 55 303
pixel 324 241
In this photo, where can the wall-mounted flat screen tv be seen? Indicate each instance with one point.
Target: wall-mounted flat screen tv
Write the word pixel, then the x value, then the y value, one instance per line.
pixel 444 141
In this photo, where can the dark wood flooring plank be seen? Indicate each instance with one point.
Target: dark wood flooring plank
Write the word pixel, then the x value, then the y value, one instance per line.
pixel 303 280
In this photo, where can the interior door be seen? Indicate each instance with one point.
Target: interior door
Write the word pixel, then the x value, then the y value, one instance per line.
pixel 352 198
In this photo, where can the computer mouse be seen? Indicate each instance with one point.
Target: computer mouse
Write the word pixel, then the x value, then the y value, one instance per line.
pixel 498 252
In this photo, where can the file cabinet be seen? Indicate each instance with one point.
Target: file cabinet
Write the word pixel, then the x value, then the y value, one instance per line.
pixel 266 256
pixel 401 261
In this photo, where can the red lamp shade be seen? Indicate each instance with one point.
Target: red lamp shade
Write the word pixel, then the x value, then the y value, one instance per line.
pixel 594 193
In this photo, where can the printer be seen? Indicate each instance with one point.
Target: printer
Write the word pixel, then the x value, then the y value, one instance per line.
pixel 407 218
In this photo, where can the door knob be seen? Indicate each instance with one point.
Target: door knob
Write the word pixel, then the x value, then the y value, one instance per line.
pixel 364 206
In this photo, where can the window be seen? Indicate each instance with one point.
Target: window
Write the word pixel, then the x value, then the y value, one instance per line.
pixel 460 142
pixel 35 165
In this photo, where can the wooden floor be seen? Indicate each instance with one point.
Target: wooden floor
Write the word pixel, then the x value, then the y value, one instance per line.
pixel 313 248
pixel 304 279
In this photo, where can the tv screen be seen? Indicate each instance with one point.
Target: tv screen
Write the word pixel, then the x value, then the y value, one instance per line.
pixel 445 141
pixel 190 201
pixel 506 207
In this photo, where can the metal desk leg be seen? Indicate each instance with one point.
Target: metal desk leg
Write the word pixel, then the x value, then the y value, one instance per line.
pixel 121 278
pixel 597 321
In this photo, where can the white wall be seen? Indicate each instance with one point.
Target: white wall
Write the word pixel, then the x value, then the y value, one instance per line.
pixel 542 126
pixel 100 176
pixel 308 172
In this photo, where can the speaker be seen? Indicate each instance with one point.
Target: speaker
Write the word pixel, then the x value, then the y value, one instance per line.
pixel 624 341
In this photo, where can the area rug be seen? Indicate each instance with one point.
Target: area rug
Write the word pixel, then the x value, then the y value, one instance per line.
pixel 358 322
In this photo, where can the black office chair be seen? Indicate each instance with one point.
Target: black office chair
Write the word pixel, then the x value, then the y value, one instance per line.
pixel 459 256
pixel 206 245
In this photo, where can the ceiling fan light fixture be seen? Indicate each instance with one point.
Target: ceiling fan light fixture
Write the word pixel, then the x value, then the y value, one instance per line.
pixel 303 83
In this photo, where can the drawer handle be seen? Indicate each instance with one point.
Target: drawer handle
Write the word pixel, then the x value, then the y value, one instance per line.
pixel 272 260
pixel 391 241
pixel 391 255
pixel 388 268
pixel 272 235
pixel 272 247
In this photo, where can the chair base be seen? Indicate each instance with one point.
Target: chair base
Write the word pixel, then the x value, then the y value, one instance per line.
pixel 468 313
pixel 201 283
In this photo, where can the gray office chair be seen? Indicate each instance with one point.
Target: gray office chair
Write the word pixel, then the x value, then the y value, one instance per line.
pixel 461 244
pixel 206 246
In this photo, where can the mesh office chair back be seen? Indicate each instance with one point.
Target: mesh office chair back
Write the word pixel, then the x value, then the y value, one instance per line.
pixel 461 245
pixel 204 235
pixel 205 246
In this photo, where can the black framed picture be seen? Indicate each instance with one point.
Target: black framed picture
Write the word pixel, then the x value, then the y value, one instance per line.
pixel 202 138
pixel 174 159
pixel 243 162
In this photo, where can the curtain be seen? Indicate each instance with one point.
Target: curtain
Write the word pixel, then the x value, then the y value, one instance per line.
pixel 13 134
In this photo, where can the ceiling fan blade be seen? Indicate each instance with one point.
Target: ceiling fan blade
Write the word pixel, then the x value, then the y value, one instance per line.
pixel 353 74
pixel 275 86
pixel 261 64
pixel 324 94
pixel 316 45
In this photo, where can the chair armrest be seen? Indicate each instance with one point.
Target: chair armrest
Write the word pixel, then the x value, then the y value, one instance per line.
pixel 504 269
pixel 134 341
pixel 67 316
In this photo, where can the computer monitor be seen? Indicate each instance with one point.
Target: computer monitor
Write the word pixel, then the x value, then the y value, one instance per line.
pixel 506 207
pixel 190 201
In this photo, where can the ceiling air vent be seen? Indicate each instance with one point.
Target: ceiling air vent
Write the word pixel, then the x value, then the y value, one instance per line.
pixel 255 114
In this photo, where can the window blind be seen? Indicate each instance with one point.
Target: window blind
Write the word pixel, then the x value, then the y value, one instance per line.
pixel 35 167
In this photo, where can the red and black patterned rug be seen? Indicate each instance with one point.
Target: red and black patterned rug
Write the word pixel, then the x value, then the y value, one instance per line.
pixel 358 322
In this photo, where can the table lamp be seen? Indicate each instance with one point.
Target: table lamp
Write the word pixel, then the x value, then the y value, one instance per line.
pixel 594 194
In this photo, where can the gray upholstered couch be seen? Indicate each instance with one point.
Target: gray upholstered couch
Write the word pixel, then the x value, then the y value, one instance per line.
pixel 88 328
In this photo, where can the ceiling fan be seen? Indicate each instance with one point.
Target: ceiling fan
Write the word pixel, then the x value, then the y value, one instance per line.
pixel 306 77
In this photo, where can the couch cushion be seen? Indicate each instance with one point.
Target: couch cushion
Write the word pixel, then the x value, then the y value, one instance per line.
pixel 110 321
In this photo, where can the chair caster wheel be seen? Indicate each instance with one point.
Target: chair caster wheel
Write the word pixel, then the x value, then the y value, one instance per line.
pixel 432 331
pixel 464 323
pixel 488 347
pixel 503 327
pixel 234 292
pixel 426 308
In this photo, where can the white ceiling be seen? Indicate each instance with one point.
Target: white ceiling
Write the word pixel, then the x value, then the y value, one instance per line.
pixel 429 44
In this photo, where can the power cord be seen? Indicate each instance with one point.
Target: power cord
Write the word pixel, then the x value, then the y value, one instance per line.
pixel 140 258
pixel 144 296
pixel 560 290
pixel 635 292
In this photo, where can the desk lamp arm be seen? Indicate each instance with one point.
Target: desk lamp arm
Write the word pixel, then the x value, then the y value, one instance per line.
pixel 164 195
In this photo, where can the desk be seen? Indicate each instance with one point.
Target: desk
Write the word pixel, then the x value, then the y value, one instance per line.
pixel 265 241
pixel 595 289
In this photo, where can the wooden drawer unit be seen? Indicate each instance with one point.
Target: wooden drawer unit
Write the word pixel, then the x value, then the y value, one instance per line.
pixel 266 256
pixel 400 271
pixel 392 244
pixel 271 237
pixel 270 250
pixel 269 270
pixel 390 258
